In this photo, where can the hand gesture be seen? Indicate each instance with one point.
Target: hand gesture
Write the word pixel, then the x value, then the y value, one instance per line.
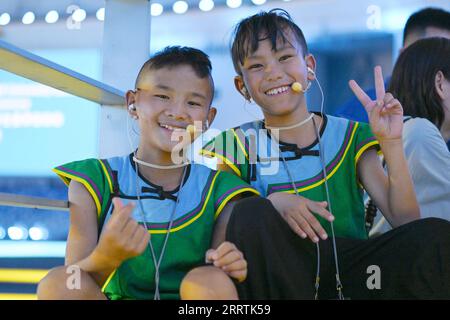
pixel 122 238
pixel 299 212
pixel 229 259
pixel 385 113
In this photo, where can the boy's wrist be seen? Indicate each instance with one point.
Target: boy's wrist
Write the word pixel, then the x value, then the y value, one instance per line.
pixel 389 143
pixel 100 262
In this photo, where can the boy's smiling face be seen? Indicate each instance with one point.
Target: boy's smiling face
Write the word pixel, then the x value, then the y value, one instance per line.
pixel 268 75
pixel 167 100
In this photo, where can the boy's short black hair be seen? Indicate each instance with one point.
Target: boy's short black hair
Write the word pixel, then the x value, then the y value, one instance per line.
pixel 174 56
pixel 428 17
pixel 263 25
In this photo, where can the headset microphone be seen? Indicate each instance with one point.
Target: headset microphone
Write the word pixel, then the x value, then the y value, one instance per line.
pixel 297 86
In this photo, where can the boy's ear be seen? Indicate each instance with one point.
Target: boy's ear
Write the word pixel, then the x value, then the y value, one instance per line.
pixel 311 63
pixel 130 97
pixel 240 87
pixel 211 115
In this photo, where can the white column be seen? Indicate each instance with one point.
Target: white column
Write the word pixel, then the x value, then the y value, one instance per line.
pixel 126 46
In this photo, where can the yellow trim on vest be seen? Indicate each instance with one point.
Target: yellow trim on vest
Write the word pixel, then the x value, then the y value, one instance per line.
pixel 232 195
pixel 334 170
pixel 184 225
pixel 108 280
pixel 228 162
pixel 364 148
pixel 63 175
pixel 107 176
pixel 240 143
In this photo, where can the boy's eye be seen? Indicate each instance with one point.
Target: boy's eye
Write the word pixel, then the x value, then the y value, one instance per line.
pixel 285 57
pixel 255 66
pixel 195 104
pixel 161 96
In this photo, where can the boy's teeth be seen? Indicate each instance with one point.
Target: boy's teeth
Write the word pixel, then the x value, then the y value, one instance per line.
pixel 272 92
pixel 171 128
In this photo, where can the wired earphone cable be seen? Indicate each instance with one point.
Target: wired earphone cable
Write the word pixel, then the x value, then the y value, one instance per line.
pixel 156 262
pixel 339 286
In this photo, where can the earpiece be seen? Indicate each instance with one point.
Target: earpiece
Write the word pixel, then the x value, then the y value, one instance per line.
pixel 132 108
pixel 244 91
pixel 311 71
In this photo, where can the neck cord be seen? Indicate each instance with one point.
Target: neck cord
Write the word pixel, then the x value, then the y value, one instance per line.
pixel 338 280
pixel 317 280
pixel 157 262
pixel 157 166
pixel 299 124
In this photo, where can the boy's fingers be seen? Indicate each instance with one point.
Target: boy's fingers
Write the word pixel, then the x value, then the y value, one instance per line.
pixel 119 218
pixel 315 225
pixel 239 275
pixel 209 255
pixel 143 242
pixel 117 202
pixel 393 103
pixel 138 234
pixel 320 209
pixel 388 97
pixel 130 228
pixel 379 83
pixel 228 258
pixel 294 226
pixel 223 249
pixel 304 225
pixel 123 212
pixel 359 93
pixel 237 265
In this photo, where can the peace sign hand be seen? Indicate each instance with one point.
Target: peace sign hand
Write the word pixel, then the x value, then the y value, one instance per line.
pixel 385 113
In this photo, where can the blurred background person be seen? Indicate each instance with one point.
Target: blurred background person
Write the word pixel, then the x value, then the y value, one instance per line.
pixel 421 82
pixel 425 23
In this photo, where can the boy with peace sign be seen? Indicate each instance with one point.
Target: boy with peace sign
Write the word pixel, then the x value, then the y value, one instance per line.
pixel 312 169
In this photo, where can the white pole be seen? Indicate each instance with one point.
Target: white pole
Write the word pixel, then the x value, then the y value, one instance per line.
pixel 126 46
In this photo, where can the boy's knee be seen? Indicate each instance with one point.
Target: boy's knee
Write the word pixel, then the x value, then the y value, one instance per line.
pixel 53 284
pixel 68 282
pixel 207 283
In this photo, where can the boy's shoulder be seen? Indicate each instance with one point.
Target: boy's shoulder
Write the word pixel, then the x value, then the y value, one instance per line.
pixel 339 123
pixel 256 124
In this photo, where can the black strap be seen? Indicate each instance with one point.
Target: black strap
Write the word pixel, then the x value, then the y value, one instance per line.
pixel 299 153
pixel 160 192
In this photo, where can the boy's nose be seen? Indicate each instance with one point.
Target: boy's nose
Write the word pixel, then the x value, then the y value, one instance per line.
pixel 176 110
pixel 273 72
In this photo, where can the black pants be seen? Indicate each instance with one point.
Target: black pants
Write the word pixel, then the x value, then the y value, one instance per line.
pixel 411 261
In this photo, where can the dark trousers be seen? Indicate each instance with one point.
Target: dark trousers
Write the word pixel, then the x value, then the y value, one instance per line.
pixel 410 262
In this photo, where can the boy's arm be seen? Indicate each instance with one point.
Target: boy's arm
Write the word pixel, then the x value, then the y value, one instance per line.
pixel 220 227
pixel 121 239
pixel 224 254
pixel 396 193
pixel 82 238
